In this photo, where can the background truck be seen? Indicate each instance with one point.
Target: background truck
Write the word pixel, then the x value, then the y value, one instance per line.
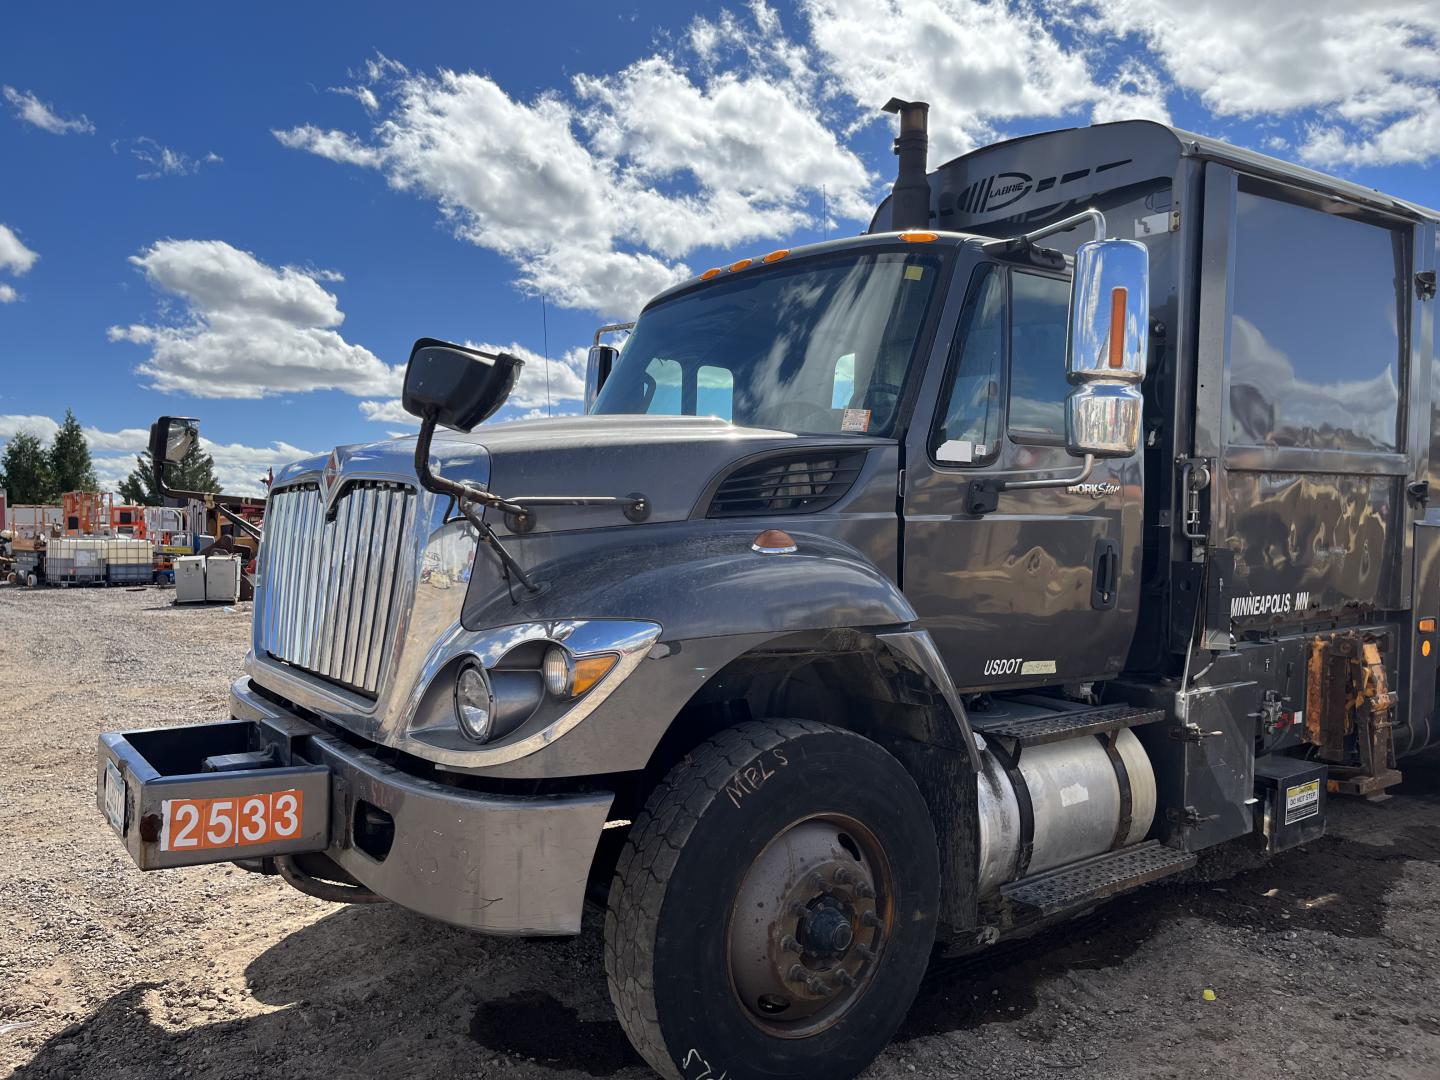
pixel 917 588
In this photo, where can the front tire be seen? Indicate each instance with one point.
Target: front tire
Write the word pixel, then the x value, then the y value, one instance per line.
pixel 774 907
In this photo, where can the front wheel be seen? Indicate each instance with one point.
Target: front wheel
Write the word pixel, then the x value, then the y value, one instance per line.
pixel 774 907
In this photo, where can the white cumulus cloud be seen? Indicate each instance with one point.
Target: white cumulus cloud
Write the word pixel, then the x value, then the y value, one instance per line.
pixel 980 65
pixel 598 198
pixel 1363 76
pixel 14 256
pixel 248 330
pixel 32 110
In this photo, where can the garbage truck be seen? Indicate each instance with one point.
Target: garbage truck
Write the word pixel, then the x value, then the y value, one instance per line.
pixel 904 592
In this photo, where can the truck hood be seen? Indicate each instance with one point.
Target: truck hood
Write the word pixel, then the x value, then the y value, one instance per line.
pixel 671 460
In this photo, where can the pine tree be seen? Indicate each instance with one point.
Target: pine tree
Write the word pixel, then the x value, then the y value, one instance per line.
pixel 195 473
pixel 138 489
pixel 70 467
pixel 26 470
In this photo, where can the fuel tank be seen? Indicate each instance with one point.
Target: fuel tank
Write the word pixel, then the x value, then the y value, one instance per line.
pixel 1075 795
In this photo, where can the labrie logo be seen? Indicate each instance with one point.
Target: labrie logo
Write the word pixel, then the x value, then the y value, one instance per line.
pixel 994 193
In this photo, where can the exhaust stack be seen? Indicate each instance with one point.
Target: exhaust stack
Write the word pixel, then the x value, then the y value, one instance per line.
pixel 910 198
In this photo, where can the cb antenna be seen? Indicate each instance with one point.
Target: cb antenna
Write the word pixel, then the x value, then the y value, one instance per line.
pixel 545 346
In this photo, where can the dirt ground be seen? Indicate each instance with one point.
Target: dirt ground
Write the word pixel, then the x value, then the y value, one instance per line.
pixel 1324 963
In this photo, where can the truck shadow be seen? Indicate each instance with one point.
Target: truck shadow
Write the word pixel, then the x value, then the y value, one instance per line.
pixel 378 992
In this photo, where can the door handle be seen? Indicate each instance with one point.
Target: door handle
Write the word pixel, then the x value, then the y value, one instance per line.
pixel 1105 581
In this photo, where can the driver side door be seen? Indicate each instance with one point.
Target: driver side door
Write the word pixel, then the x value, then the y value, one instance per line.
pixel 1044 589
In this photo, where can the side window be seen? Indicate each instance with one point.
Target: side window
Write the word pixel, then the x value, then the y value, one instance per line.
pixel 968 431
pixel 843 388
pixel 715 392
pixel 662 386
pixel 1315 329
pixel 1039 316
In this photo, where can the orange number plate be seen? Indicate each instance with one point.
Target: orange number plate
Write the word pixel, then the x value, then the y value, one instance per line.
pixel 238 821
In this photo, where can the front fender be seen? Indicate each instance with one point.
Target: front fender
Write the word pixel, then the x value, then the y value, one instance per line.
pixel 716 599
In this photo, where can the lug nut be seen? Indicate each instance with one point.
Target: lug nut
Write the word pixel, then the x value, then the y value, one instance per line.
pixel 843 876
pixel 789 944
pixel 845 978
pixel 864 891
pixel 870 919
pixel 797 974
pixel 867 952
pixel 818 987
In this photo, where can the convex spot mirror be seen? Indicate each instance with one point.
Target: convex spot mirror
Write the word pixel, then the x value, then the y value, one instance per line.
pixel 459 387
pixel 173 437
pixel 597 370
pixel 1106 348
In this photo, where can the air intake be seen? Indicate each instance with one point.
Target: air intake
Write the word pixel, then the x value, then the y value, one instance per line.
pixel 794 483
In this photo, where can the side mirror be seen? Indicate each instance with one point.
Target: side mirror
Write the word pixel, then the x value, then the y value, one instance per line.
pixel 1106 348
pixel 458 387
pixel 597 370
pixel 172 438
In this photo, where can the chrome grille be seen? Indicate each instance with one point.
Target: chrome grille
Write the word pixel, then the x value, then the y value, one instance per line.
pixel 331 582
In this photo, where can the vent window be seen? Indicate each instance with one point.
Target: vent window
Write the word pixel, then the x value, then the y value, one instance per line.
pixel 788 484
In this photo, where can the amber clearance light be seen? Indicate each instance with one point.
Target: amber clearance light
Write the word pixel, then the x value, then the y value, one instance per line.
pixel 774 542
pixel 919 237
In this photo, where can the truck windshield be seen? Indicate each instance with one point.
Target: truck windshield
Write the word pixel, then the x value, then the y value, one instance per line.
pixel 819 346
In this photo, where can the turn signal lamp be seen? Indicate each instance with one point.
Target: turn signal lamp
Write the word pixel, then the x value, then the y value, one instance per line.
pixel 1427 626
pixel 919 237
pixel 1117 327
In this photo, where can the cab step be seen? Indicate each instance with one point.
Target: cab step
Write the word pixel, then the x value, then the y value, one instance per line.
pixel 1069 888
pixel 1057 725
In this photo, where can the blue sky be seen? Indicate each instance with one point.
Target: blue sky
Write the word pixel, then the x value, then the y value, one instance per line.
pixel 248 214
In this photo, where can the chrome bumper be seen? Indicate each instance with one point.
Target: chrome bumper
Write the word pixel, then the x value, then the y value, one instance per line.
pixel 501 864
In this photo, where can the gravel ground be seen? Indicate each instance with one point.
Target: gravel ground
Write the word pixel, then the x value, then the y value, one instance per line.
pixel 1324 962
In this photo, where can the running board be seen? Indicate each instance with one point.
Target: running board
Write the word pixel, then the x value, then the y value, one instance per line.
pixel 1081 884
pixel 1066 724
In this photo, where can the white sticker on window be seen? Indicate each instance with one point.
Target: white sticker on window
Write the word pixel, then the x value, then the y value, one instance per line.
pixel 855 420
pixel 956 450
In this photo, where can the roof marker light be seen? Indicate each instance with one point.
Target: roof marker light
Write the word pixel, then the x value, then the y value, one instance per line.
pixel 736 267
pixel 919 237
pixel 708 274
pixel 776 256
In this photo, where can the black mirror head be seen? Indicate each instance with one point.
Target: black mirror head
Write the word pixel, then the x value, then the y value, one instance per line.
pixel 172 437
pixel 457 386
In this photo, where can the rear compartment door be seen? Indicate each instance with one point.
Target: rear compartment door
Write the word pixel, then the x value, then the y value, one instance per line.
pixel 1308 408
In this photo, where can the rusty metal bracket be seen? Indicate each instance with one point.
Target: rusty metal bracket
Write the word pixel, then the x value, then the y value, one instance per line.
pixel 1348 694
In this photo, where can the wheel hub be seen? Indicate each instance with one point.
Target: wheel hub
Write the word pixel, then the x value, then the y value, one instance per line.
pixel 809 924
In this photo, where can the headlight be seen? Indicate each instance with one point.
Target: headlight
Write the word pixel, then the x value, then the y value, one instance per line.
pixel 474 703
pixel 568 677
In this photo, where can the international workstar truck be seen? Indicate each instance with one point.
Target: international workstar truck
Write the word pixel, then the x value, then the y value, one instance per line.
pixel 909 590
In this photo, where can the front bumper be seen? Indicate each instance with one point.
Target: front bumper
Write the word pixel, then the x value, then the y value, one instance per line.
pixel 501 864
